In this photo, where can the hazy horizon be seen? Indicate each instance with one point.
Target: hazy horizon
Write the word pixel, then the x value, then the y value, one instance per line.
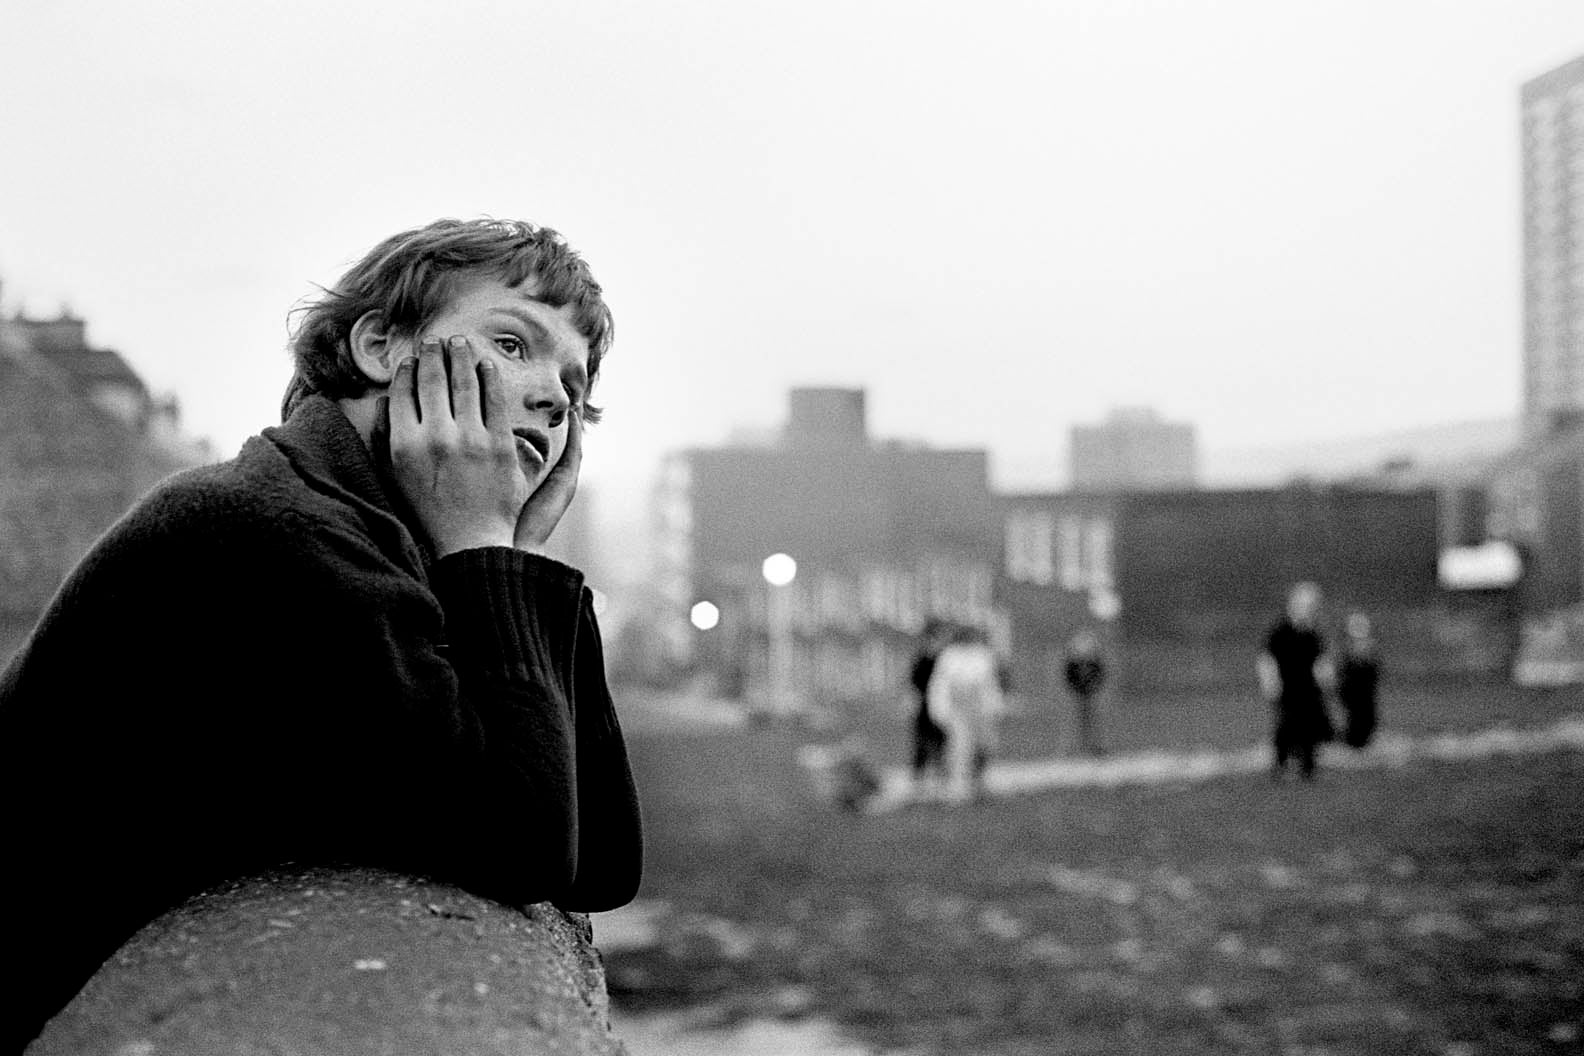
pixel 1278 222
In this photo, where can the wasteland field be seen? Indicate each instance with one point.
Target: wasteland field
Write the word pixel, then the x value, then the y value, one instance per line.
pixel 1436 907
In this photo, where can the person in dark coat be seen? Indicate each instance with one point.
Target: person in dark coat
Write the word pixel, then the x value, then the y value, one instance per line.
pixel 1358 680
pixel 1085 673
pixel 1291 670
pixel 929 737
pixel 343 646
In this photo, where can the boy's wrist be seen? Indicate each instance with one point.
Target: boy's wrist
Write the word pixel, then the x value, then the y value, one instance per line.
pixel 456 541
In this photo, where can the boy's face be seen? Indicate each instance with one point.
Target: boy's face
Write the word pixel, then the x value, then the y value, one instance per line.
pixel 543 360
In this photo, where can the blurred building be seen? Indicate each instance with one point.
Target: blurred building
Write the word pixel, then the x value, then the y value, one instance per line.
pixel 884 536
pixel 1537 499
pixel 1133 449
pixel 81 438
pixel 1553 249
pixel 1183 585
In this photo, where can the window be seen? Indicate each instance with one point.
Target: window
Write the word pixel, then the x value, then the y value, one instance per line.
pixel 1097 554
pixel 1028 547
pixel 1069 552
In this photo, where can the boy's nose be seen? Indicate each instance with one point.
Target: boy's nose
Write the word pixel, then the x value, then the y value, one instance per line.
pixel 547 396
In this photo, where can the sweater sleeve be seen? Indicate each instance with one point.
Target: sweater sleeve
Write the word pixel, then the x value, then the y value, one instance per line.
pixel 514 618
pixel 458 696
pixel 498 719
pixel 610 831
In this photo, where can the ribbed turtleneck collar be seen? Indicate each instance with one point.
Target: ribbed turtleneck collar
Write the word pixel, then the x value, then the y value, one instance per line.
pixel 324 445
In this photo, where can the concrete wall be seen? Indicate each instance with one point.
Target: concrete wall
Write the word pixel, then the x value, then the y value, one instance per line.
pixel 351 962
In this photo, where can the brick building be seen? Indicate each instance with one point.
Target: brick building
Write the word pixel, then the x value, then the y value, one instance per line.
pixel 1551 108
pixel 1183 584
pixel 884 536
pixel 81 439
pixel 1133 449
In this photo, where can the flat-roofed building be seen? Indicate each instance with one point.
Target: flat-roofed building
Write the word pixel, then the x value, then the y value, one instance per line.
pixel 885 536
pixel 1133 449
pixel 1553 249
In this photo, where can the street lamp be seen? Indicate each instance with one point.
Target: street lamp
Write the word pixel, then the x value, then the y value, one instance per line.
pixel 779 572
pixel 705 615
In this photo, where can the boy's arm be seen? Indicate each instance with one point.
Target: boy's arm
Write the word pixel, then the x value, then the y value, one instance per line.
pixel 513 621
pixel 531 669
pixel 610 829
pixel 501 685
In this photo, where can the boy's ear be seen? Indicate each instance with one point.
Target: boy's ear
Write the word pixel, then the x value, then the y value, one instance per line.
pixel 373 348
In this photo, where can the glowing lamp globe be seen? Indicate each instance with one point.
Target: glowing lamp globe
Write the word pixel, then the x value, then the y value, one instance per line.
pixel 704 616
pixel 779 570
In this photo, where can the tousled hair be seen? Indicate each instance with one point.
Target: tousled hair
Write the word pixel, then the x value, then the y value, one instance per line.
pixel 412 277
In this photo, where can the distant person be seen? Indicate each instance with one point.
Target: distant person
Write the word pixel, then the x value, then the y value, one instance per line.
pixel 1291 671
pixel 841 773
pixel 1358 680
pixel 965 698
pixel 857 782
pixel 929 738
pixel 1086 673
pixel 345 645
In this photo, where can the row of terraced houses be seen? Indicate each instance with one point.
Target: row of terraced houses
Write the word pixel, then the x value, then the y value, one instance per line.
pixel 1180 581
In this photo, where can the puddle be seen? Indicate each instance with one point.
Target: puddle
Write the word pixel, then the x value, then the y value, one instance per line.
pixel 682 1034
pixel 692 1032
pixel 635 926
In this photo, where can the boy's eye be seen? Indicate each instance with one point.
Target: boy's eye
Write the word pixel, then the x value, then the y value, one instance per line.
pixel 515 347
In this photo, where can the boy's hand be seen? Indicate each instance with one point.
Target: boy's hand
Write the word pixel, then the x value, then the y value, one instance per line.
pixel 452 453
pixel 550 500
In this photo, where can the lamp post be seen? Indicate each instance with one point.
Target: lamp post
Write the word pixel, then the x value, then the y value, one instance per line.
pixel 779 572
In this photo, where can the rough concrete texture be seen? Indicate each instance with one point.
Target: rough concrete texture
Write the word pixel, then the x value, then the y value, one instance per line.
pixel 349 963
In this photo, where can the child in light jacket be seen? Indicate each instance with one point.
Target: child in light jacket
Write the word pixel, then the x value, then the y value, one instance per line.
pixel 965 699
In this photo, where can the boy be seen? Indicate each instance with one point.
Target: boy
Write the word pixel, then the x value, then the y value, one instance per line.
pixel 342 646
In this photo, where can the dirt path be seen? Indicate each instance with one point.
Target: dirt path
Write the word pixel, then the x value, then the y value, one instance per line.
pixel 1013 777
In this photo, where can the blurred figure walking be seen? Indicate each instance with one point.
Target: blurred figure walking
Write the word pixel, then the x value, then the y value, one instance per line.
pixel 1358 678
pixel 929 738
pixel 965 698
pixel 1085 672
pixel 1291 670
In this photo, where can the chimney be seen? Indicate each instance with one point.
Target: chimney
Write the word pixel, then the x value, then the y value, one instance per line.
pixel 826 417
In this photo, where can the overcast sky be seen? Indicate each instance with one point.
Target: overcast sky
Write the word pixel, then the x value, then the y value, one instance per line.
pixel 1276 220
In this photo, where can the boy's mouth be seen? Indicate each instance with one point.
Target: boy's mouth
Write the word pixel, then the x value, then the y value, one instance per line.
pixel 535 441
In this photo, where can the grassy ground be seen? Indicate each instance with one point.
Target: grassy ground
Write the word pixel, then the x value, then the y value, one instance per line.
pixel 1436 909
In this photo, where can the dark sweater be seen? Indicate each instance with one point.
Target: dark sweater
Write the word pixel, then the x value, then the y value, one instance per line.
pixel 259 664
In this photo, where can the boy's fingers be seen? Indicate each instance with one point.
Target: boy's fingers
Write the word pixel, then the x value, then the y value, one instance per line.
pixel 493 398
pixel 402 400
pixel 434 392
pixel 572 455
pixel 381 433
pixel 549 502
pixel 564 474
pixel 465 405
